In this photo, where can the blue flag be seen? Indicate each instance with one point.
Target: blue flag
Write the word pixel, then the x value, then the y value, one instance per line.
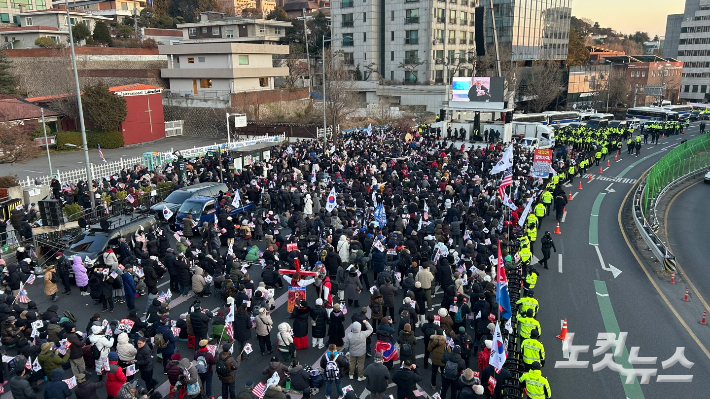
pixel 502 295
pixel 380 215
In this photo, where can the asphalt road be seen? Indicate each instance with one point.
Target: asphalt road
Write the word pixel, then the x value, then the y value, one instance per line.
pixel 587 293
pixel 39 166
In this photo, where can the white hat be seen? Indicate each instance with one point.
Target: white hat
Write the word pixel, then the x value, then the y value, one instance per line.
pixel 478 389
pixel 319 302
pixel 96 329
pixel 443 312
pixel 230 300
pixel 489 343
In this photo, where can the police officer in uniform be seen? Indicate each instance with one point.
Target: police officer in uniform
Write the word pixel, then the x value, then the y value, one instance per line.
pixel 546 243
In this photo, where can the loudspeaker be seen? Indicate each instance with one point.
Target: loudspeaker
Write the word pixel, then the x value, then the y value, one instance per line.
pixel 442 114
pixel 51 212
pixel 477 121
pixel 478 29
pixel 508 117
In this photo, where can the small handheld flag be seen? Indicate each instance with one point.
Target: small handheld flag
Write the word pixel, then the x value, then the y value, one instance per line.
pixel 167 213
pixel 101 153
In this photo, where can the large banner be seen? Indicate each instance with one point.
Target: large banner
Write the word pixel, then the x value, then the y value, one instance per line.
pixel 542 164
pixel 295 296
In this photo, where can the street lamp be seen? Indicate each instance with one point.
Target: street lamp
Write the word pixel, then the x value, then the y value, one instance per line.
pixel 87 162
pixel 325 135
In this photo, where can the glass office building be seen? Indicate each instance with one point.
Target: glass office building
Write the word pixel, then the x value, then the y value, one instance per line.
pixel 530 29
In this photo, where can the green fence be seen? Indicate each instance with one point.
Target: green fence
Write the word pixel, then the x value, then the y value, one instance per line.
pixel 689 157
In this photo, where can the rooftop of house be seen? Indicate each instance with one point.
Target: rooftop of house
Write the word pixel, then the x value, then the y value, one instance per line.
pixel 15 109
pixel 30 28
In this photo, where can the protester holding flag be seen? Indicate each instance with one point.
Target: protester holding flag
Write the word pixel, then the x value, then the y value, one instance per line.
pixel 264 324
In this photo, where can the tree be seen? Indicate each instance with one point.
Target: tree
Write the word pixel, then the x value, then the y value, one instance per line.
pixel 297 69
pixel 640 37
pixel 101 33
pixel 104 109
pixel 358 73
pixel 8 82
pixel 16 144
pixel 277 14
pixel 544 85
pixel 577 53
pixel 340 96
pixel 45 42
pixel 251 12
pixel 190 10
pixel 80 32
pixel 124 32
pixel 410 65
pixel 317 28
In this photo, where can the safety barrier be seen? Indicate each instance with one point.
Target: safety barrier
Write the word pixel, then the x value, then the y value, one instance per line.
pixel 111 168
pixel 686 161
pixel 512 387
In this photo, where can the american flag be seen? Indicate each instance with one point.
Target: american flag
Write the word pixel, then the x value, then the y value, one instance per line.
pixel 31 279
pixel 101 154
pixel 22 296
pixel 229 330
pixel 130 198
pixel 162 297
pixel 259 390
pixel 507 181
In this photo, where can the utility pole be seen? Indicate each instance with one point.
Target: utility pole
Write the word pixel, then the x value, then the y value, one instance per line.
pixel 87 162
pixel 446 55
pixel 135 18
pixel 308 55
pixel 325 135
pixel 46 142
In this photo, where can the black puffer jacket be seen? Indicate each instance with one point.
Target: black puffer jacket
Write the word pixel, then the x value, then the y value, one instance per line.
pixel 21 389
pixel 200 321
pixel 320 315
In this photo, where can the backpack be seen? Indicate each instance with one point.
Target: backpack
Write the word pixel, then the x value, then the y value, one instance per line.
pixel 95 352
pixel 376 308
pixel 332 371
pixel 159 341
pixel 458 316
pixel 451 370
pixel 222 370
pixel 465 347
pixel 201 365
pixel 117 283
pixel 255 309
pixel 54 279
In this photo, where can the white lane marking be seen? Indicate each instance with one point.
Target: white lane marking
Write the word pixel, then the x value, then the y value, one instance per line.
pixel 607 168
pixel 575 194
pixel 564 215
pixel 602 294
pixel 559 263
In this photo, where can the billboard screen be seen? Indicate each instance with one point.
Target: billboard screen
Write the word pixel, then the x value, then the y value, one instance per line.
pixel 477 89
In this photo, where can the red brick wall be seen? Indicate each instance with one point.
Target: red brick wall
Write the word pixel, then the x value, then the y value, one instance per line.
pixel 120 73
pixel 48 52
pixel 137 126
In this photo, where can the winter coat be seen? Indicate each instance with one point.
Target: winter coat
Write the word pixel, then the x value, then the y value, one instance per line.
pixel 129 284
pixel 379 261
pixel 484 357
pixel 51 360
pixel 378 376
pixel 209 358
pixel 407 337
pixel 377 298
pixel 242 327
pixel 343 248
pixel 276 367
pixel 319 314
pixel 353 289
pixel 437 347
pixel 283 337
pixel 115 378
pixel 300 378
pixel 82 279
pixel 183 270
pixel 87 390
pixel 125 350
pixel 144 358
pixel 356 339
pixel 198 281
pixel 264 324
pixel 275 392
pixel 174 371
pixel 169 338
pixel 252 254
pixel 388 291
pixel 21 389
pixel 300 322
pixel 110 259
pixel 50 288
pixel 76 343
pixel 232 366
pixel 56 388
pixel 406 381
pixel 200 322
pixel 335 326
pixel 190 372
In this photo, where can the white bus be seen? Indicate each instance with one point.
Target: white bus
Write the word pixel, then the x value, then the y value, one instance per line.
pixel 563 118
pixel 680 109
pixel 539 118
pixel 651 114
pixel 609 117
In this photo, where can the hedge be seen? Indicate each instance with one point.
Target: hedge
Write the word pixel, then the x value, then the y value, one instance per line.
pixel 93 139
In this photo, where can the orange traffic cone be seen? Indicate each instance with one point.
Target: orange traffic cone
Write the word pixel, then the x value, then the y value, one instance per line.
pixel 569 197
pixel 580 186
pixel 600 170
pixel 683 131
pixel 607 163
pixel 557 230
pixel 616 157
pixel 663 135
pixel 563 333
pixel 590 179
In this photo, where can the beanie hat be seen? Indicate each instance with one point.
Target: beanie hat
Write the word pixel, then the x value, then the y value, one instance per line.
pixel 478 389
pixel 468 374
pixel 113 357
pixel 407 327
pixel 378 357
pixel 249 384
pixel 489 343
pixel 417 285
pixel 443 312
pixel 226 347
pixel 176 356
pixel 319 302
pixel 462 330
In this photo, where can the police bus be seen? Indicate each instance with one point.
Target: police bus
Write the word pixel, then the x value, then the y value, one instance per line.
pixel 680 109
pixel 555 118
pixel 651 114
pixel 539 118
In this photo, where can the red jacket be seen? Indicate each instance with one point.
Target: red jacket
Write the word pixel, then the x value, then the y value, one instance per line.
pixel 114 381
pixel 484 357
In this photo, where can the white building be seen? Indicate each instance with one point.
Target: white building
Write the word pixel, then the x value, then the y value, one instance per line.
pixel 404 40
pixel 50 23
pixel 214 27
pixel 694 51
pixel 219 69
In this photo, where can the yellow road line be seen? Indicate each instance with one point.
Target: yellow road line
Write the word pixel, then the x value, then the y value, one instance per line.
pixel 650 278
pixel 665 229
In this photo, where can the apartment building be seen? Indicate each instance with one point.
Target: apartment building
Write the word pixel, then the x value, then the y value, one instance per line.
pixel 215 28
pixel 693 50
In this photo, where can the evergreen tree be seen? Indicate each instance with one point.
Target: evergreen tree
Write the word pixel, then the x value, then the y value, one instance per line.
pixel 101 33
pixel 8 82
pixel 80 32
pixel 104 109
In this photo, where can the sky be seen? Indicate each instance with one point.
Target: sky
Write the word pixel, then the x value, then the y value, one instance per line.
pixel 628 16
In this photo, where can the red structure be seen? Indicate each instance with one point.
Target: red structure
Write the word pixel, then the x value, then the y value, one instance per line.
pixel 145 120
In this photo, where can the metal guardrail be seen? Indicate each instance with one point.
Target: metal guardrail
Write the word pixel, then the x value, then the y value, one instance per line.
pixel 690 162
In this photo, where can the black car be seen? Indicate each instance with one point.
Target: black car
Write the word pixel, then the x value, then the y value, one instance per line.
pixel 93 241
pixel 177 197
